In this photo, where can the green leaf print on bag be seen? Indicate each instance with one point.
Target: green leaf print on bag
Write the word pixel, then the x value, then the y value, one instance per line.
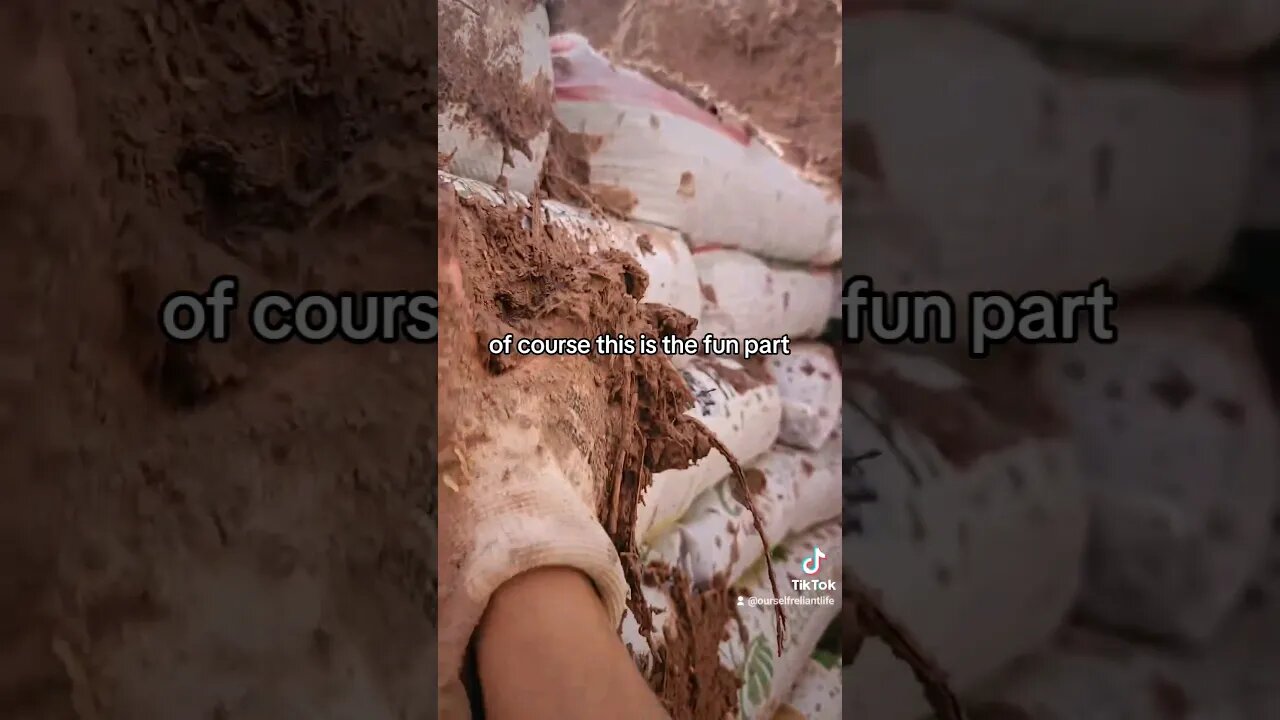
pixel 827 659
pixel 757 676
pixel 780 554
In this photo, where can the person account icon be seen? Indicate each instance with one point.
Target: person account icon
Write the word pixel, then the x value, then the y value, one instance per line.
pixel 813 563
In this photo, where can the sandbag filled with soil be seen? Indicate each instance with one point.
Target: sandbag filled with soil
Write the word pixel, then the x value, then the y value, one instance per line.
pixel 971 521
pixel 809 382
pixel 495 90
pixel 1181 29
pixel 746 297
pixel 791 490
pixel 1041 178
pixel 673 277
pixel 1177 442
pixel 816 695
pixel 657 155
pixel 742 409
pixel 747 645
pixel 766 676
pixel 777 63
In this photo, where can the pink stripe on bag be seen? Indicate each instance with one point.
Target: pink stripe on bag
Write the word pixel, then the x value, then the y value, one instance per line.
pixel 712 247
pixel 584 75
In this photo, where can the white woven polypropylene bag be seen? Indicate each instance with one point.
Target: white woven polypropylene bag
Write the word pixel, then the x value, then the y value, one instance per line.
pixel 1039 179
pixel 809 383
pixel 750 647
pixel 717 536
pixel 743 411
pixel 684 168
pixel 1177 441
pixel 673 277
pixel 816 695
pixel 635 641
pixel 971 524
pixel 746 297
pixel 515 32
pixel 753 654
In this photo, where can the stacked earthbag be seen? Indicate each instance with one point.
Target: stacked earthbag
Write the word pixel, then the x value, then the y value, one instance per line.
pixel 970 523
pixel 816 695
pixel 794 485
pixel 748 647
pixel 808 381
pixel 495 90
pixel 1041 178
pixel 769 673
pixel 791 491
pixel 747 297
pixel 741 409
pixel 1189 29
pixel 666 159
pixel 666 259
pixel 1177 440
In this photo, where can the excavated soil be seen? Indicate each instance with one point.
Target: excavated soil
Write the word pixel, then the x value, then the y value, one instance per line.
pixel 778 62
pixel 510 273
pixel 687 672
pixel 504 271
pixel 491 93
pixel 566 172
pixel 233 530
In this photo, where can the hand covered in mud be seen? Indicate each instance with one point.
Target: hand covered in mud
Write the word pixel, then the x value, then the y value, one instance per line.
pixel 517 477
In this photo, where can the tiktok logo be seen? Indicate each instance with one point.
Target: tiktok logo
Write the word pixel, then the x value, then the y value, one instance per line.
pixel 811 565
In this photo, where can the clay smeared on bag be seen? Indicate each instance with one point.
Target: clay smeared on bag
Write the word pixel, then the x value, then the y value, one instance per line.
pixel 495 94
pixel 687 672
pixel 522 277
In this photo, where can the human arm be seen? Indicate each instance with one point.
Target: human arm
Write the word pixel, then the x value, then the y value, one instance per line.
pixel 545 651
pixel 518 493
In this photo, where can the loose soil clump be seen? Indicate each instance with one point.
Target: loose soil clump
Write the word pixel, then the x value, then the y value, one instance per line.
pixel 687 672
pixel 506 271
pixel 626 413
pixel 491 92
